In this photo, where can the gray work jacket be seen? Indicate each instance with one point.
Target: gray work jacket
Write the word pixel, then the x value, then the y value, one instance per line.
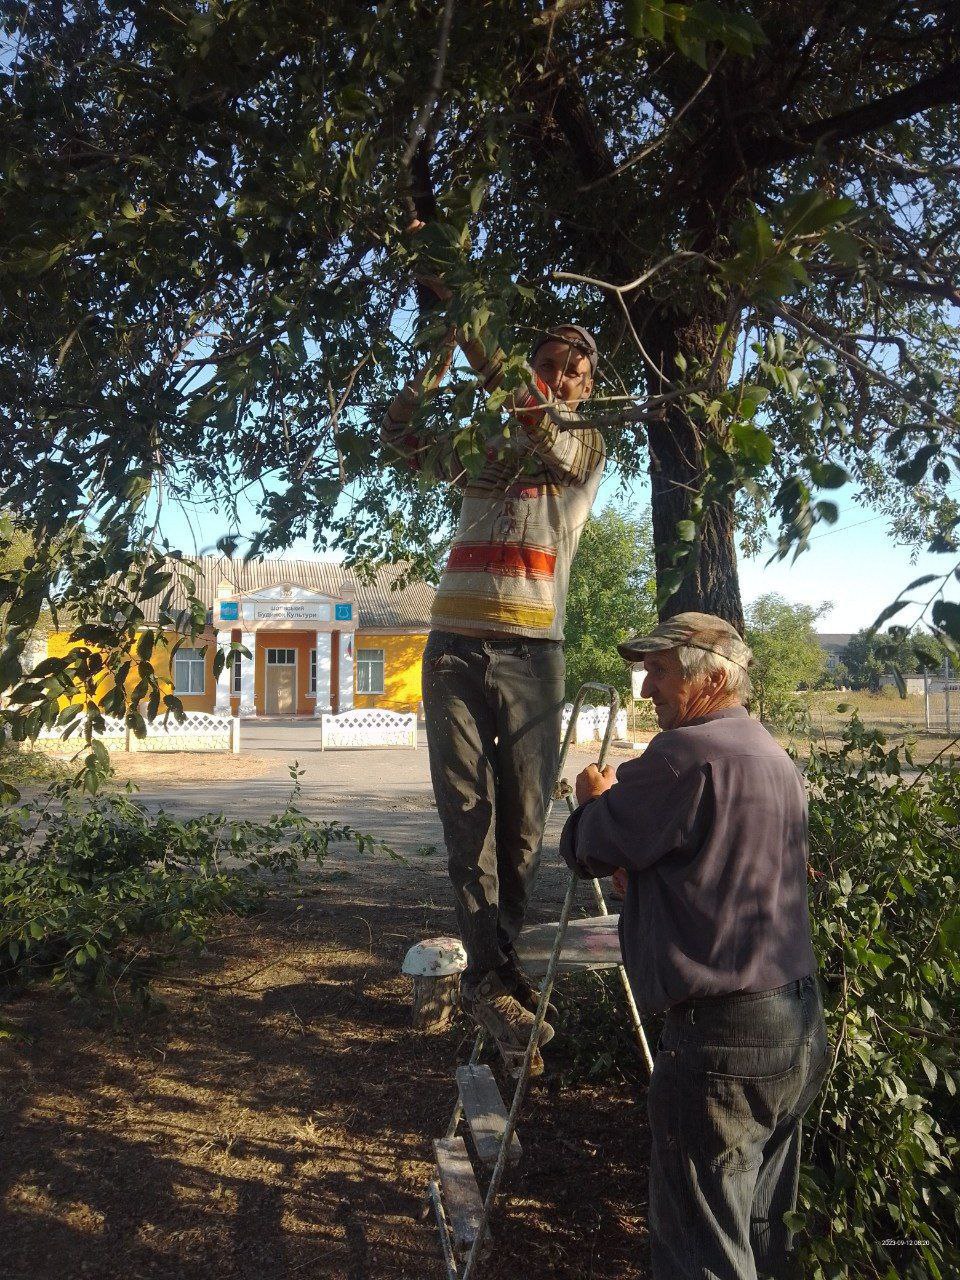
pixel 711 825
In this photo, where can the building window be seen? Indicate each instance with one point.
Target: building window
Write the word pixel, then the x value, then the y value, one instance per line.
pixel 312 691
pixel 370 671
pixel 189 669
pixel 281 658
pixel 237 677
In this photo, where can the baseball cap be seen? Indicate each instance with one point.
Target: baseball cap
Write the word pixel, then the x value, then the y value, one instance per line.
pixel 694 630
pixel 587 344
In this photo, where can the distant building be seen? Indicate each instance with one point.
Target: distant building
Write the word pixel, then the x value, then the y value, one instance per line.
pixel 321 638
pixel 913 685
pixel 833 644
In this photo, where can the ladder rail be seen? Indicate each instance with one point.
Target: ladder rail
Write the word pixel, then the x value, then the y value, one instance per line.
pixel 547 988
pixel 638 1032
pixel 443 1229
pixel 458 1107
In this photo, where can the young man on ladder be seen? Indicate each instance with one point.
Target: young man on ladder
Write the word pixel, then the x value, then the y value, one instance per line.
pixel 493 668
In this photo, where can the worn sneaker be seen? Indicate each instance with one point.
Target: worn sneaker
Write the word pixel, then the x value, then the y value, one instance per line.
pixel 513 1063
pixel 491 1003
pixel 523 989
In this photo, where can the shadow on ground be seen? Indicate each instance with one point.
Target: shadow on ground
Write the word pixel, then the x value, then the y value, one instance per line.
pixel 272 1117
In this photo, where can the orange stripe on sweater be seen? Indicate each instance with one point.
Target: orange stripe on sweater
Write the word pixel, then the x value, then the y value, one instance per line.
pixel 509 558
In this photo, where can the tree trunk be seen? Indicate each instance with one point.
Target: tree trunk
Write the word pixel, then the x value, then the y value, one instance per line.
pixel 711 584
pixel 676 456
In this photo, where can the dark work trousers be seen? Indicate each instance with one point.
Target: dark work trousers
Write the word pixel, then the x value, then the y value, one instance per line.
pixel 493 710
pixel 732 1077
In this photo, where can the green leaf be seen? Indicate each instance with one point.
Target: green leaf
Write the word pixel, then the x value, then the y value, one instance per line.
pixel 751 397
pixel 686 530
pixel 477 192
pixel 655 20
pixel 633 17
pixel 813 211
pixel 889 612
pixel 946 616
pixel 922 582
pixel 828 475
pixel 914 470
pixel 755 445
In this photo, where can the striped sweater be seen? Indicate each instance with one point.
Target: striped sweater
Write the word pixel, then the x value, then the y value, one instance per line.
pixel 521 516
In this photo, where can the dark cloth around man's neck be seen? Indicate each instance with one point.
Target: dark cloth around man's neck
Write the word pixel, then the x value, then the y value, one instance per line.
pixel 711 824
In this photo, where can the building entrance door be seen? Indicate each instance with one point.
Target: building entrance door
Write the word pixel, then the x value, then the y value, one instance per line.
pixel 280 691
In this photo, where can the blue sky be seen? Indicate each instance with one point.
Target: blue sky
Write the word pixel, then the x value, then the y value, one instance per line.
pixel 853 564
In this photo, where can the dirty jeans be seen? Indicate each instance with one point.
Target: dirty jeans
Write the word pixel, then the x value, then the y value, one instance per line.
pixel 732 1078
pixel 493 710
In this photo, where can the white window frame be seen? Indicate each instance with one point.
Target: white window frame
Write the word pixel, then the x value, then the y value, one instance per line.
pixel 195 658
pixel 363 665
pixel 312 683
pixel 236 674
pixel 280 648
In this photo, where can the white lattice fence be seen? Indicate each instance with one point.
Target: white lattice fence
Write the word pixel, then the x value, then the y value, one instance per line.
pixel 114 739
pixel 368 727
pixel 199 731
pixel 592 723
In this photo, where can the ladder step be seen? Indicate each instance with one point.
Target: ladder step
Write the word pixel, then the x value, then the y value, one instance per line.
pixel 461 1195
pixel 485 1114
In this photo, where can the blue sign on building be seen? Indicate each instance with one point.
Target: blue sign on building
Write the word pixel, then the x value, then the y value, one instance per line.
pixel 229 611
pixel 343 612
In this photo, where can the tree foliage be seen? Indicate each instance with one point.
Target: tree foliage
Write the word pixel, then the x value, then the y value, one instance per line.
pixel 611 597
pixel 207 293
pixel 879 1189
pixel 870 655
pixel 786 652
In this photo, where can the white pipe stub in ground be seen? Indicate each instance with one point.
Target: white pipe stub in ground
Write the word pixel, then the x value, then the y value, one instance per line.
pixel 435 958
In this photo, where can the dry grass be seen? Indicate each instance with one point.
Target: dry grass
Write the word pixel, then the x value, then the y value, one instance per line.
pixel 155 766
pixel 901 719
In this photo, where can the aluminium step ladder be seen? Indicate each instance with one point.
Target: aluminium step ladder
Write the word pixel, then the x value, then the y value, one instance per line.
pixel 462 1214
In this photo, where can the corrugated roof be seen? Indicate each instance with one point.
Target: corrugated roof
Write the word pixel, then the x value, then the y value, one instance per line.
pixel 380 604
pixel 834 639
pixel 377 604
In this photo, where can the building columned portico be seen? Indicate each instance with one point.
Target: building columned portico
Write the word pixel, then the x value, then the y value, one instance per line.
pixel 301 646
pixel 319 638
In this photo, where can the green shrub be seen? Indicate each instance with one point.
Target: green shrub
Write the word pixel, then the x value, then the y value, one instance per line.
pixel 96 890
pixel 882 1138
pixel 18 765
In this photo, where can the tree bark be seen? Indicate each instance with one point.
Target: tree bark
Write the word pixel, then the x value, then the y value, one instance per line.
pixel 711 583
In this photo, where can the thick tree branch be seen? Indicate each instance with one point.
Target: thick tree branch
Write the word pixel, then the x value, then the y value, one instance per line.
pixel 945 289
pixel 934 91
pixel 422 124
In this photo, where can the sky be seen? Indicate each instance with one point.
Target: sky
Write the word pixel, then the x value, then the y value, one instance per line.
pixel 854 565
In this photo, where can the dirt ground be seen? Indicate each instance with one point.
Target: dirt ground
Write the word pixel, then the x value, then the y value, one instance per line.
pixel 186 766
pixel 272 1116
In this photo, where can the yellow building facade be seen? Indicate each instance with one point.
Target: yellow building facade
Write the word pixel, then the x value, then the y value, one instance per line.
pixel 318 640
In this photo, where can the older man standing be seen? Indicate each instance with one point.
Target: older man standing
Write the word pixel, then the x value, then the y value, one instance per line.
pixel 710 825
